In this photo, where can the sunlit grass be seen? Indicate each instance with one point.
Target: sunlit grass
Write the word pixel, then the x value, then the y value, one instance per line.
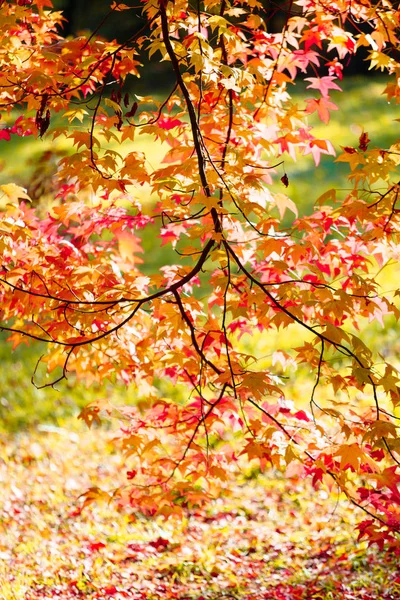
pixel 362 107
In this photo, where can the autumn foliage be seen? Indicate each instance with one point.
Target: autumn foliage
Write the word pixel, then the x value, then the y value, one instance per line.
pixel 246 263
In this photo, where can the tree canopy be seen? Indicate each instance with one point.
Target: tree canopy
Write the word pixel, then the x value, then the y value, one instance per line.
pixel 246 263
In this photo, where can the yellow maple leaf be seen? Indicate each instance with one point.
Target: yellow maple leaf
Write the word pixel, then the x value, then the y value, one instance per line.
pixel 118 7
pixel 12 194
pixel 351 456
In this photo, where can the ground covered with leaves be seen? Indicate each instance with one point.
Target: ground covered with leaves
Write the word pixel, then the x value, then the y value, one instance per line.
pixel 269 538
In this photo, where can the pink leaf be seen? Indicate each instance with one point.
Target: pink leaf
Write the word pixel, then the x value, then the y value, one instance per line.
pixel 168 123
pixel 323 84
pixel 5 134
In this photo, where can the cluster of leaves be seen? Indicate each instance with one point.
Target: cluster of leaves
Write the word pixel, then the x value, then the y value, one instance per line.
pixel 73 279
pixel 269 538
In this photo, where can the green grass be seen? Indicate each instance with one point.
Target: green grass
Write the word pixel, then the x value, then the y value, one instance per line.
pixel 362 107
pixel 22 405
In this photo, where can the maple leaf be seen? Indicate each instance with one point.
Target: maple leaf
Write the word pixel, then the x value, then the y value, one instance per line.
pixel 284 203
pixel 351 456
pixel 389 478
pixel 380 60
pixel 323 84
pixel 288 143
pixel 351 156
pixel 81 138
pixel 364 141
pixel 94 494
pixel 13 193
pixel 169 123
pixel 311 37
pixel 322 106
pixel 119 6
pixel 5 134
pixel 318 147
pixel 128 246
